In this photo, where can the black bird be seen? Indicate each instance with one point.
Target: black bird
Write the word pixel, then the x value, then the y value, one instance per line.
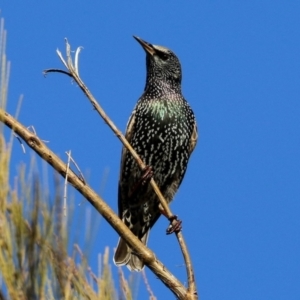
pixel 162 129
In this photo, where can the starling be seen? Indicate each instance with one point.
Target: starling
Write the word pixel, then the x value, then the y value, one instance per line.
pixel 162 130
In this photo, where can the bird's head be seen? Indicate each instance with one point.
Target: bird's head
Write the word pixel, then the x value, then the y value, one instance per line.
pixel 162 63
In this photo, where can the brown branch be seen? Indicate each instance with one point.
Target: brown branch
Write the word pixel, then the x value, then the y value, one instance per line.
pixel 99 204
pixel 66 185
pixel 73 72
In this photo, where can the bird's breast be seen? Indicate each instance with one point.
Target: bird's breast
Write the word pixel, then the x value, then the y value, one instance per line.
pixel 161 136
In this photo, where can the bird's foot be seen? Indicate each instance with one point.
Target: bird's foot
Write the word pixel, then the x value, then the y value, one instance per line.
pixel 175 225
pixel 147 174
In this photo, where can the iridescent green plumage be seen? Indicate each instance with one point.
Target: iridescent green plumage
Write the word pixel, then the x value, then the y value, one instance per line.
pixel 162 129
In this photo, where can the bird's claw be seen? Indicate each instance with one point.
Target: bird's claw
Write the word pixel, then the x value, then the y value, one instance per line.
pixel 147 175
pixel 175 225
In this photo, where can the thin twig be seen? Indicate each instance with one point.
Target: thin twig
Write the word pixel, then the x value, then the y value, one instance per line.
pixel 124 285
pixel 77 59
pixel 61 57
pixel 20 141
pixel 118 133
pixel 31 127
pixel 16 116
pixel 78 169
pixel 45 72
pixel 66 184
pixel 152 297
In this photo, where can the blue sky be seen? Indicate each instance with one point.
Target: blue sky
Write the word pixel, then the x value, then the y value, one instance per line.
pixel 240 199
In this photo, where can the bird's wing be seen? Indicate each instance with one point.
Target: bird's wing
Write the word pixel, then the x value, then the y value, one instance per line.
pixel 194 138
pixel 128 136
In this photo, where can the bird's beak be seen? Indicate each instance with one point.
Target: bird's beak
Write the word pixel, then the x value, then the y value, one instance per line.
pixel 147 46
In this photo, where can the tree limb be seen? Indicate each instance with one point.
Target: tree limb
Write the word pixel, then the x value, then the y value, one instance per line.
pixel 73 72
pixel 100 205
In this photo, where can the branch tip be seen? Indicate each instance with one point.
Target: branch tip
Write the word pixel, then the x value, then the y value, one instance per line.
pixel 61 58
pixel 45 72
pixel 77 59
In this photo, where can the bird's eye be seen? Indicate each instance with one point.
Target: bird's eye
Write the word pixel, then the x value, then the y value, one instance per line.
pixel 163 56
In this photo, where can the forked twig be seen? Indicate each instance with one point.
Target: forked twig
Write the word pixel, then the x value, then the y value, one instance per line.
pixel 78 169
pixel 73 72
pixel 31 127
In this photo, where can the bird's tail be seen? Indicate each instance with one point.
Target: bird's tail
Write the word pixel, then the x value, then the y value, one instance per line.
pixel 124 255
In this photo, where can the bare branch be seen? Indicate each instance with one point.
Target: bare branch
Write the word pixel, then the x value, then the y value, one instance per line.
pixel 78 169
pixel 152 297
pixel 66 184
pixel 124 285
pixel 16 116
pixel 20 141
pixel 100 205
pixel 77 59
pixel 118 133
pixel 69 58
pixel 31 127
pixel 61 58
pixel 45 72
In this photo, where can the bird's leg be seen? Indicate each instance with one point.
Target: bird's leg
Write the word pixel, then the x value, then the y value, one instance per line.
pixel 175 223
pixel 147 174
